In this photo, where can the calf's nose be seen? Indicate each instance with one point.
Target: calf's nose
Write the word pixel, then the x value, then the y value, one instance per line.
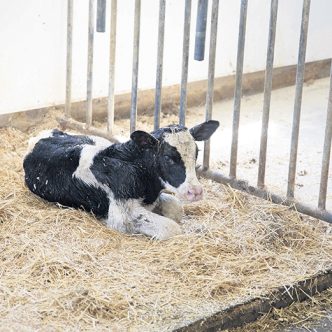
pixel 195 193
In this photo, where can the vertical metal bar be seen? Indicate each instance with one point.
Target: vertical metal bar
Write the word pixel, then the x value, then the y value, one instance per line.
pixel 202 8
pixel 101 15
pixel 267 93
pixel 209 95
pixel 160 54
pixel 90 63
pixel 133 109
pixel 298 98
pixel 185 58
pixel 110 104
pixel 326 152
pixel 69 57
pixel 238 86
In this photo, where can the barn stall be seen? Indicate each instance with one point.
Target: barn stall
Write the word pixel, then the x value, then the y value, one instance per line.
pixel 240 255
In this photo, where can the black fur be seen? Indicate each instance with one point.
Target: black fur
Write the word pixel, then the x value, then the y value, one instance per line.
pixel 49 169
pixel 128 171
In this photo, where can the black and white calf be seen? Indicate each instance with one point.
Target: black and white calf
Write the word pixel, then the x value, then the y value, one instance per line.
pixel 121 183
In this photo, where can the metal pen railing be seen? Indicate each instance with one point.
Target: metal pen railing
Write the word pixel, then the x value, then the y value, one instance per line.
pixel 211 70
pixel 88 114
pixel 134 84
pixel 238 87
pixel 185 63
pixel 326 152
pixel 160 56
pixel 69 57
pixel 267 93
pixel 111 87
pixel 298 98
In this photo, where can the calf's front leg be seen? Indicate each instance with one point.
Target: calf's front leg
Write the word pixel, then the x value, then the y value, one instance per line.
pixel 169 206
pixel 154 225
pixel 132 218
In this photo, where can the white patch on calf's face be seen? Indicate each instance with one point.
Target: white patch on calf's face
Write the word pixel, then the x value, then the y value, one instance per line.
pixel 186 147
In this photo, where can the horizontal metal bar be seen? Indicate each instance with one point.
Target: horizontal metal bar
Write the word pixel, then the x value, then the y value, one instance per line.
pixel 110 104
pixel 160 55
pixel 298 98
pixel 90 63
pixel 134 84
pixel 69 56
pixel 261 193
pixel 210 92
pixel 202 7
pixel 185 63
pixel 81 127
pixel 326 152
pixel 267 93
pixel 238 87
pixel 101 15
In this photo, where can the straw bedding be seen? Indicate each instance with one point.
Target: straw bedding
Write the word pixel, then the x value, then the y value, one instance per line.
pixel 61 269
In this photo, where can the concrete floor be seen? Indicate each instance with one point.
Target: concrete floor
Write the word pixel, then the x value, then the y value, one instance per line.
pixel 312 127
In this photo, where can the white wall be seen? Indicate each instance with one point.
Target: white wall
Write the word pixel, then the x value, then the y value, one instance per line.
pixel 33 46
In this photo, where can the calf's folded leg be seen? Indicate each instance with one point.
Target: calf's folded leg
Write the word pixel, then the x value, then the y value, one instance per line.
pixel 169 206
pixel 132 218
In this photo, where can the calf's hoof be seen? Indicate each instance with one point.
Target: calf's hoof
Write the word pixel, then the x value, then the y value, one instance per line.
pixel 169 230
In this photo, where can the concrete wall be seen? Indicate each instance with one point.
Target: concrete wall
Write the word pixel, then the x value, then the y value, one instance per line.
pixel 33 35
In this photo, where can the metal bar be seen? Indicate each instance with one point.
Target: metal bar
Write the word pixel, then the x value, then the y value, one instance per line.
pixel 326 152
pixel 90 63
pixel 261 193
pixel 133 109
pixel 101 15
pixel 238 86
pixel 81 127
pixel 69 56
pixel 209 95
pixel 298 98
pixel 267 93
pixel 160 54
pixel 185 62
pixel 202 8
pixel 110 104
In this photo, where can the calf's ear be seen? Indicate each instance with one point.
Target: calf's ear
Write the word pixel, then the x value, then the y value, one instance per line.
pixel 143 139
pixel 203 131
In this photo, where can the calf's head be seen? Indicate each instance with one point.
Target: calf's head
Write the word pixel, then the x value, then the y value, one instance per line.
pixel 174 152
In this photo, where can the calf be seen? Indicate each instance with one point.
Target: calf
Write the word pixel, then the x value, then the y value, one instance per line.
pixel 125 184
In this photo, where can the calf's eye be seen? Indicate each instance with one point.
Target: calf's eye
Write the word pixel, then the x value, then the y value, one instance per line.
pixel 169 160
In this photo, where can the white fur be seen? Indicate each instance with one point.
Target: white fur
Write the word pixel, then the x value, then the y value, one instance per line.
pixel 170 207
pixel 156 226
pixel 131 217
pixel 117 216
pixel 34 140
pixel 83 171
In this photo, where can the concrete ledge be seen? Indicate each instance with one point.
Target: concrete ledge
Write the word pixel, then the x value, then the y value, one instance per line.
pixel 242 314
pixel 223 89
